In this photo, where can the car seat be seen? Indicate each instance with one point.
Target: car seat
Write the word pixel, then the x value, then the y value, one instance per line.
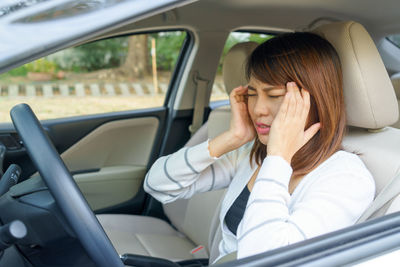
pixel 371 105
pixel 371 108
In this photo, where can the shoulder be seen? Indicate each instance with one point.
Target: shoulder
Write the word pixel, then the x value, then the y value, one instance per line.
pixel 345 162
pixel 345 172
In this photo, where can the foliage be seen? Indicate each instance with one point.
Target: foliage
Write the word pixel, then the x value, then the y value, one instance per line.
pixel 259 38
pixel 93 56
pixel 20 71
pixel 40 65
pixel 168 47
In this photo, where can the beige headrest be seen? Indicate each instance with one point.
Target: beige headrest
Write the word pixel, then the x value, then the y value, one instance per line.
pixel 369 96
pixel 233 68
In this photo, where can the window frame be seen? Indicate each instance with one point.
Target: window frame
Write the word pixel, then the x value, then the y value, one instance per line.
pixel 176 71
pixel 351 245
pixel 391 41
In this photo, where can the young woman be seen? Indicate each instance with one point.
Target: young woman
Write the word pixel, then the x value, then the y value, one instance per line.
pixel 282 158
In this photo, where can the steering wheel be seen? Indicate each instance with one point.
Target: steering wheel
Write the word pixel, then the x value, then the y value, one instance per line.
pixel 63 188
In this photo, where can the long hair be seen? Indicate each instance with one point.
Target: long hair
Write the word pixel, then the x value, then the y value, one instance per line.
pixel 313 63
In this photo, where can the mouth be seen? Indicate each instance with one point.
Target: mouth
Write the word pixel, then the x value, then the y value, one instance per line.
pixel 262 128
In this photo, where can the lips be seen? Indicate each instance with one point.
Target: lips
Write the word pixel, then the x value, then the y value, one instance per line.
pixel 262 128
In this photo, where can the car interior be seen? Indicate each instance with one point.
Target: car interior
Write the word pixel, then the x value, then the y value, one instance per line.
pixel 343 35
pixel 109 154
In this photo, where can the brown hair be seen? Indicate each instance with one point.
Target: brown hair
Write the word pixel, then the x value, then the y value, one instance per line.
pixel 313 63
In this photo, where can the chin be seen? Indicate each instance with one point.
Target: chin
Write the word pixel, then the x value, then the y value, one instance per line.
pixel 263 139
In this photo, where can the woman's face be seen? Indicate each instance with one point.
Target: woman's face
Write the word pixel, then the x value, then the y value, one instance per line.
pixel 263 103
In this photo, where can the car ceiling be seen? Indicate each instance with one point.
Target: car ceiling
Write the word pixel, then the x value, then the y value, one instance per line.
pixel 379 17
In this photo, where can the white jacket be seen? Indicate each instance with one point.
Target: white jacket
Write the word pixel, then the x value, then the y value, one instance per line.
pixel 331 197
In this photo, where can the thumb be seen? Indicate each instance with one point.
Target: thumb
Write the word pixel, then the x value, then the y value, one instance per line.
pixel 310 132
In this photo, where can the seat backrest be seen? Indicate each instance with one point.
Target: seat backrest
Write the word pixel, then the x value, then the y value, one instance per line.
pixel 370 99
pixel 194 216
pixel 371 104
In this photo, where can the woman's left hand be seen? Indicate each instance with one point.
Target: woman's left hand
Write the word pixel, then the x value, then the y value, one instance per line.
pixel 287 134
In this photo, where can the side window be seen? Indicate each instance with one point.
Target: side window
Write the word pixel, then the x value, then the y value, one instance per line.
pixel 218 90
pixel 395 39
pixel 116 74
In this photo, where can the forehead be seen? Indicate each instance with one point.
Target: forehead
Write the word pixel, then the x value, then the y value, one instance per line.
pixel 257 84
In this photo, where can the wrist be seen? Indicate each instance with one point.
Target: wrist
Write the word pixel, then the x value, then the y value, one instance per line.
pixel 285 156
pixel 233 139
pixel 223 143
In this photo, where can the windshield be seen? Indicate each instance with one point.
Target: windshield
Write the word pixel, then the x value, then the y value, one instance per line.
pixel 9 6
pixel 34 28
pixel 70 9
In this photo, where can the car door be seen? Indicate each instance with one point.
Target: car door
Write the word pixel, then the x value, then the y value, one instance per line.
pixel 104 106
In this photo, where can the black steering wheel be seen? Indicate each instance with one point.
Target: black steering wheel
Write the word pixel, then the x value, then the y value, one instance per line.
pixel 63 188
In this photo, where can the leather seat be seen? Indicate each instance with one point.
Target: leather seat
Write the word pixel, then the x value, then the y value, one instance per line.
pixel 371 104
pixel 371 108
pixel 146 236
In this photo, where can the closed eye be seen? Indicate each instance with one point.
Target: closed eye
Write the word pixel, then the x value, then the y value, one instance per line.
pixel 275 96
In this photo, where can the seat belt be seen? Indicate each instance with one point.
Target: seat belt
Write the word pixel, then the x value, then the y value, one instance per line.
pixel 390 191
pixel 199 102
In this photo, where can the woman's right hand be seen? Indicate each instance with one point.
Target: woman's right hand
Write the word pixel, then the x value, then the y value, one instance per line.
pixel 241 127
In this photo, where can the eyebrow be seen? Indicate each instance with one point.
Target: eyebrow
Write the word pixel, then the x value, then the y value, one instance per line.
pixel 265 88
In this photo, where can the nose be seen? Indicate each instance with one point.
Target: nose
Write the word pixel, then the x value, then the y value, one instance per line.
pixel 262 107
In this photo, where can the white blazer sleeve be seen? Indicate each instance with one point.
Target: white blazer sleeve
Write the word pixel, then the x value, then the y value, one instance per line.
pixel 333 201
pixel 188 171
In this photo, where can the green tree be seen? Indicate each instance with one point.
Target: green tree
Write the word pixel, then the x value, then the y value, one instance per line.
pixel 259 38
pixel 105 54
pixel 168 47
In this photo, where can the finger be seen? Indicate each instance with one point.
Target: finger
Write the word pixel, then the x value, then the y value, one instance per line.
pixel 239 95
pixel 240 98
pixel 299 100
pixel 237 98
pixel 291 111
pixel 235 92
pixel 311 131
pixel 306 105
pixel 284 106
pixel 238 90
